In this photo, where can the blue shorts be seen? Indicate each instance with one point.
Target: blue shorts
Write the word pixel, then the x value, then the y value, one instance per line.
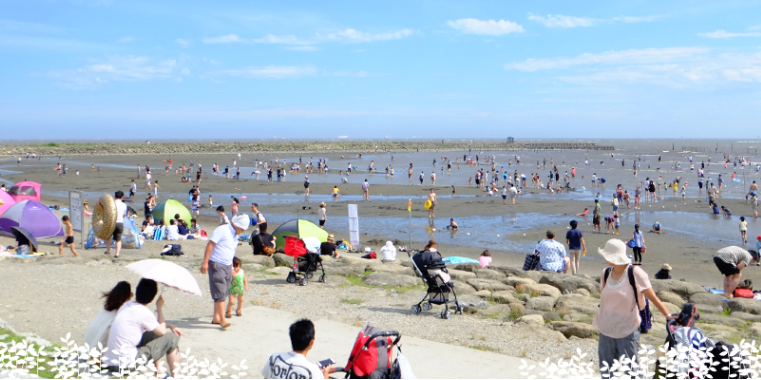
pixel 615 208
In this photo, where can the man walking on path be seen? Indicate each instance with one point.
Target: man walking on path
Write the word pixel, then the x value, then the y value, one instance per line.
pixel 218 260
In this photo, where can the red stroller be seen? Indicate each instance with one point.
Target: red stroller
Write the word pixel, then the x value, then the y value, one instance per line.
pixel 304 262
pixel 373 355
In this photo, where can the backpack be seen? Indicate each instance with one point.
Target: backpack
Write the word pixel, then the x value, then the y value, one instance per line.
pixel 645 316
pixel 744 293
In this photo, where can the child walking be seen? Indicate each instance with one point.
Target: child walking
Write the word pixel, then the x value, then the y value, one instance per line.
pixel 744 230
pixel 237 286
pixel 69 237
pixel 156 188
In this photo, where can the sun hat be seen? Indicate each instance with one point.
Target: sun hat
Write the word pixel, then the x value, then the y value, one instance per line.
pixel 615 252
pixel 330 237
pixel 759 236
pixel 322 204
pixel 666 267
pixel 241 221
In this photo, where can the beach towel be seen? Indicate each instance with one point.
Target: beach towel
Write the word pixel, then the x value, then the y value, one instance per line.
pixel 459 260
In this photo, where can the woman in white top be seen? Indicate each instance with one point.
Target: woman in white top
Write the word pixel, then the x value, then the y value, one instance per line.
pixel 97 331
pixel 323 215
pixel 388 251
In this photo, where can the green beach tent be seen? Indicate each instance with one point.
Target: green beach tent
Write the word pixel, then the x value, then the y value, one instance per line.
pixel 300 228
pixel 168 209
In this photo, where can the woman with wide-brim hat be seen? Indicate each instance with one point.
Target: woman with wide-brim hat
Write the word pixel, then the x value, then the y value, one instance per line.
pixel 618 317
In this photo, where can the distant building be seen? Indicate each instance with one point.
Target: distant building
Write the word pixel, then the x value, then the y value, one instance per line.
pixel 510 140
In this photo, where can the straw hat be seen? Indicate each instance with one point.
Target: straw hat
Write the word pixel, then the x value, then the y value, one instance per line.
pixel 615 252
pixel 322 204
pixel 666 267
pixel 330 237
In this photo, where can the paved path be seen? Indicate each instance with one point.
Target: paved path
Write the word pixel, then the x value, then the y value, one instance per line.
pixel 261 332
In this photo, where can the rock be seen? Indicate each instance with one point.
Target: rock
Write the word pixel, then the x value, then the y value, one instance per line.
pixel 470 309
pixel 356 261
pixel 504 296
pixel 483 293
pixel 344 270
pixel 468 267
pixel 462 288
pixel 390 268
pixel 539 289
pixel 551 316
pixel 524 297
pixel 282 260
pixel 518 272
pixel 717 332
pixel 568 283
pixel 489 274
pixel 673 309
pixel 541 332
pixel 253 267
pixel 745 305
pixel 569 329
pixel 473 300
pixel 491 285
pixel 497 310
pixel 280 270
pixel 263 260
pixel 541 303
pixel 582 292
pixel 670 297
pixel 461 274
pixel 722 319
pixel 517 306
pixel 532 320
pixel 755 328
pixel 707 299
pixel 683 289
pixel 387 279
pixel 513 281
pixel 577 303
pixel 744 316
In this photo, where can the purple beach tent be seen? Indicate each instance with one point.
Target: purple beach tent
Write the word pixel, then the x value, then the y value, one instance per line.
pixel 32 216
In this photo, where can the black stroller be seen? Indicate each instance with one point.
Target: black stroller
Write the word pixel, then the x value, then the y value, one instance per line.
pixel 433 270
pixel 303 261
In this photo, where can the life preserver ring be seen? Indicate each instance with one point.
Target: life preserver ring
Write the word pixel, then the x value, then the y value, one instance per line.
pixel 104 217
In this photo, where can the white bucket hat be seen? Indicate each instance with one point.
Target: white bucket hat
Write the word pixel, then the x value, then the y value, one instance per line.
pixel 241 221
pixel 615 252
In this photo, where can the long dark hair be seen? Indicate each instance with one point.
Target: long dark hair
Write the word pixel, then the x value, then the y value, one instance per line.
pixel 120 294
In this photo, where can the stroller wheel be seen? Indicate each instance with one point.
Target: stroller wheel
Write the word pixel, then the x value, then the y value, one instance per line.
pixel 310 275
pixel 427 306
pixel 459 308
pixel 446 314
pixel 416 309
pixel 291 278
pixel 323 278
pixel 303 281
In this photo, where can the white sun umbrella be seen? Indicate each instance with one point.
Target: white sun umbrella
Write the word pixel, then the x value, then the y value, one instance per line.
pixel 166 273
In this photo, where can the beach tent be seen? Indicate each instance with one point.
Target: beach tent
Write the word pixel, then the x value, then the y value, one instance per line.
pixel 168 209
pixel 131 238
pixel 32 216
pixel 300 228
pixel 26 190
pixel 6 201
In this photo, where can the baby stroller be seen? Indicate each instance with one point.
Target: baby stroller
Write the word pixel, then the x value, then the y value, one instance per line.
pixel 304 262
pixel 372 356
pixel 433 270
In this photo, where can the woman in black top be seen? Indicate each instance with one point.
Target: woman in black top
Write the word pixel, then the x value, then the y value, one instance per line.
pixel 329 247
pixel 149 204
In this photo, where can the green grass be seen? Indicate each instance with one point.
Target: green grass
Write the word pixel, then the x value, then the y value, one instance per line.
pixel 357 280
pixel 481 347
pixel 352 301
pixel 45 374
pixel 515 313
pixel 51 144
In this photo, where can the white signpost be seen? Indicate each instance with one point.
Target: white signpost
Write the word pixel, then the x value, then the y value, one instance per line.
pixel 353 226
pixel 77 213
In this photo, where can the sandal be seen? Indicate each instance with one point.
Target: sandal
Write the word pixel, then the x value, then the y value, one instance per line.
pixel 228 315
pixel 226 325
pixel 238 313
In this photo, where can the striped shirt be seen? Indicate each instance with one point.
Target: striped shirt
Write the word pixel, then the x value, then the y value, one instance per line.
pixel 734 255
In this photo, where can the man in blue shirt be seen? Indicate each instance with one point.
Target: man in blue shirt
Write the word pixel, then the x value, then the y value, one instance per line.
pixel 575 241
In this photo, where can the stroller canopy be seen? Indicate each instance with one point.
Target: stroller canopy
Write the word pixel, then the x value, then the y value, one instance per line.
pixel 32 216
pixel 301 228
pixel 168 209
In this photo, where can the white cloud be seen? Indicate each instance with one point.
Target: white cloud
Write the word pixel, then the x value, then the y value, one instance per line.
pixel 183 42
pixel 561 21
pixel 125 40
pixel 757 27
pixel 724 34
pixel 485 27
pixel 230 38
pixel 633 56
pixel 269 72
pixel 119 69
pixel 302 48
pixel 344 36
pixel 27 27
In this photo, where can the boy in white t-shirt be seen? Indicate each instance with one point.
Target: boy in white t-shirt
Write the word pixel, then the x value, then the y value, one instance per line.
pixel 294 364
pixel 136 333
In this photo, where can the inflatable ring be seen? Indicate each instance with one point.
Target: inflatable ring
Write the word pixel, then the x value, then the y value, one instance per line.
pixel 428 204
pixel 104 217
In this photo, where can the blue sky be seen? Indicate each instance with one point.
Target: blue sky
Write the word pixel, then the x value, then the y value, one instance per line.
pixel 110 69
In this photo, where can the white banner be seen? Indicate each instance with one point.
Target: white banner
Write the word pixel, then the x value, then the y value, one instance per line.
pixel 76 210
pixel 353 225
